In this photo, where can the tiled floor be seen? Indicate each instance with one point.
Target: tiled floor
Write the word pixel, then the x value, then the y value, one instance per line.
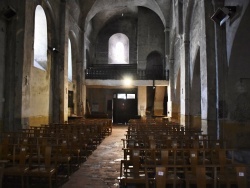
pixel 102 167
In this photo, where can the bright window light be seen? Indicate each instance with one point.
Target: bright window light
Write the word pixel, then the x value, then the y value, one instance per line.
pixel 40 39
pixel 69 61
pixel 118 49
pixel 130 96
pixel 121 96
pixel 119 52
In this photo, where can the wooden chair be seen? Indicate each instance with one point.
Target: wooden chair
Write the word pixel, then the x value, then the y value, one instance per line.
pixel 164 157
pixel 131 171
pixel 61 156
pixel 197 173
pixel 163 178
pixel 44 170
pixel 21 168
pixel 237 177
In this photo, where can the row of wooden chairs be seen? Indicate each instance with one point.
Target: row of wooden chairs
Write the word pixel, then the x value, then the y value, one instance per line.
pixel 158 153
pixel 26 170
pixel 180 170
pixel 49 152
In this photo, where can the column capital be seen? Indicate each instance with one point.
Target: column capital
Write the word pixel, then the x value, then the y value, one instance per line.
pixel 167 29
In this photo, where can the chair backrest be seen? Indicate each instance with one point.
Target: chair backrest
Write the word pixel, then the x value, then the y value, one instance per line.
pixel 131 143
pixel 193 157
pixel 201 176
pixel 193 160
pixel 47 157
pixel 241 176
pixel 152 144
pixel 196 143
pixel 160 176
pixel 136 163
pixel 219 157
pixel 22 156
pixel 164 157
pixel 4 150
pixel 174 144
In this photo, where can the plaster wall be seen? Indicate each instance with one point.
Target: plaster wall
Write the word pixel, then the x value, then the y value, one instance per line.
pixel 233 25
pixel 151 36
pixel 97 99
pixel 39 97
pixel 239 65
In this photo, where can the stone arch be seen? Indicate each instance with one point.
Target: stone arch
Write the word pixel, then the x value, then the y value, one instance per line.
pixel 75 52
pixel 42 91
pixel 74 85
pixel 187 21
pixel 154 66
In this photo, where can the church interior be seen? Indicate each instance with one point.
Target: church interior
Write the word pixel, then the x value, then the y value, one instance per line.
pixel 171 74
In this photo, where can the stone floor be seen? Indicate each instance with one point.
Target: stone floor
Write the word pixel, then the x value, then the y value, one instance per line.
pixel 102 167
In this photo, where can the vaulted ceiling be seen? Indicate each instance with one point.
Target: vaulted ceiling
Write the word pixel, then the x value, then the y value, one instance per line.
pixel 96 13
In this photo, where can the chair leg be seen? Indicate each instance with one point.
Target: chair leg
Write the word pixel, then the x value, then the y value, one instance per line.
pixel 22 181
pixel 50 182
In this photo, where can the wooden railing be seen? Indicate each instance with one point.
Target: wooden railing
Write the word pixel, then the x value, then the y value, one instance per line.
pixel 117 72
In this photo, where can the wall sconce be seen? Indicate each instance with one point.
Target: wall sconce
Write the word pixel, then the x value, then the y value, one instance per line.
pixel 127 81
pixel 53 49
pixel 221 15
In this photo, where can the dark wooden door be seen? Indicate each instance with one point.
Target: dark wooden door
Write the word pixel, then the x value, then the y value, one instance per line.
pixel 124 110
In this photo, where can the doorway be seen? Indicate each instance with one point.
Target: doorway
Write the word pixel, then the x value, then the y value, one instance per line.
pixel 124 107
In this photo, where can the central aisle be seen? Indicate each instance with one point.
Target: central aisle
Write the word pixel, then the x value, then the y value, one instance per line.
pixel 102 167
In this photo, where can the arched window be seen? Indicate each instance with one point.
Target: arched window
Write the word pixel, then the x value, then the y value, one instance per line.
pixel 70 77
pixel 40 39
pixel 118 49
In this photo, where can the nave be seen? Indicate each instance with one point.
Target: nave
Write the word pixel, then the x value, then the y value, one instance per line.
pixel 140 154
pixel 102 168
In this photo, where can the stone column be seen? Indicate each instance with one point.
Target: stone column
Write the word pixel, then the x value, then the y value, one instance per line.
pixel 221 69
pixel 185 82
pixel 142 100
pixel 208 69
pixel 63 65
pixel 171 87
pixel 167 34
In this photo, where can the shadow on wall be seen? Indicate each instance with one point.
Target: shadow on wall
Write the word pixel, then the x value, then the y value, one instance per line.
pixel 241 112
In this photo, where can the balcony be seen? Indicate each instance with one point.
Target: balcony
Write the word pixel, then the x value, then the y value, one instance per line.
pixel 119 71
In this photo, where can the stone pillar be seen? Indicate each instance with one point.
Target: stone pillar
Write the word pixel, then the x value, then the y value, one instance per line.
pixel 142 100
pixel 185 82
pixel 63 65
pixel 79 74
pixel 208 70
pixel 208 65
pixel 9 79
pixel 167 34
pixel 171 87
pixel 221 71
